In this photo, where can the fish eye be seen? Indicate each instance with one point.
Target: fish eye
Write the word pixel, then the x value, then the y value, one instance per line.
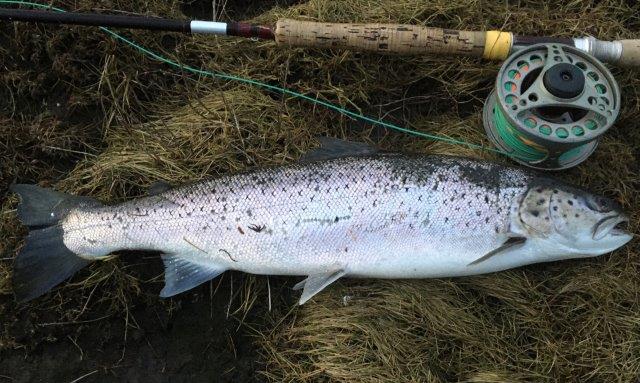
pixel 599 204
pixel 605 205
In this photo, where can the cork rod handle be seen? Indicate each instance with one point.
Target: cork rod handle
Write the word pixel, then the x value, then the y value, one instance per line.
pixel 630 56
pixel 391 38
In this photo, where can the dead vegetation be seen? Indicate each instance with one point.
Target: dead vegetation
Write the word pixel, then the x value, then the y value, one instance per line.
pixel 98 118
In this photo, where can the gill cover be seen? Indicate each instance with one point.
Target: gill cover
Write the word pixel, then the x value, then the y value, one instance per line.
pixel 534 212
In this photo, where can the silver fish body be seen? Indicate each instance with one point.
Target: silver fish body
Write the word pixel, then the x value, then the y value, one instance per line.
pixel 381 216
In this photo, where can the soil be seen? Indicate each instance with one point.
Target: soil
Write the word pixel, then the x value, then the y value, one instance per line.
pixel 190 339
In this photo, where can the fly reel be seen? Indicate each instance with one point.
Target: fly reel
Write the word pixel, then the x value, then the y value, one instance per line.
pixel 551 104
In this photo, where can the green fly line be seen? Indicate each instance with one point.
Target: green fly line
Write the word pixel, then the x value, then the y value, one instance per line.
pixel 273 88
pixel 515 140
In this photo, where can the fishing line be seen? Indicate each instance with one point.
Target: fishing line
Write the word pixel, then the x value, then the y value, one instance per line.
pixel 273 88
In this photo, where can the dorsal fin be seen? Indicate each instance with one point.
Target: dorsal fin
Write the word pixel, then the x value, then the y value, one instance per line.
pixel 331 148
pixel 159 187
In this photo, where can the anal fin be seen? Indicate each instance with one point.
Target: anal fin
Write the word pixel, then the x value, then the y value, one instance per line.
pixel 181 275
pixel 510 243
pixel 315 283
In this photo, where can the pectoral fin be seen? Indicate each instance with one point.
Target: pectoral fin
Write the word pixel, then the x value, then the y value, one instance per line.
pixel 181 275
pixel 508 244
pixel 316 283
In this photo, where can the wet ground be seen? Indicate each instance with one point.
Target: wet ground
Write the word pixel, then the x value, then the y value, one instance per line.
pixel 192 339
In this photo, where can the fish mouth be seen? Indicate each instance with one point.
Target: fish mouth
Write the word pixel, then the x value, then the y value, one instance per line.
pixel 615 225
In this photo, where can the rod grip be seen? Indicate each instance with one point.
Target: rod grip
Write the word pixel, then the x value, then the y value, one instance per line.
pixel 630 53
pixel 391 38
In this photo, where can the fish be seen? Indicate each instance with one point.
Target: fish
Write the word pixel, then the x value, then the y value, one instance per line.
pixel 345 209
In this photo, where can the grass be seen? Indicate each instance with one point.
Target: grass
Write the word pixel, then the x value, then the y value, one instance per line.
pixel 108 122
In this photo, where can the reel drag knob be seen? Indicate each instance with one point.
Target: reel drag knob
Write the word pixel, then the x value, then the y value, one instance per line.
pixel 564 80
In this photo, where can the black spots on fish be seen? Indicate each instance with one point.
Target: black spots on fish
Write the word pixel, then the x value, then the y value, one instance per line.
pixel 463 195
pixel 346 249
pixel 420 198
pixel 249 213
pixel 478 213
pixel 555 208
pixel 375 202
pixel 222 218
pixel 119 218
pixel 336 219
pixel 497 229
pixel 486 199
pixel 466 224
pixel 539 190
pixel 257 228
pixel 570 202
pixel 486 220
pixel 446 219
pixel 534 213
pixel 564 216
pixel 540 202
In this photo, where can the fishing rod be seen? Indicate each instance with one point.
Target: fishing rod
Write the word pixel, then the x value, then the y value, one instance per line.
pixel 382 38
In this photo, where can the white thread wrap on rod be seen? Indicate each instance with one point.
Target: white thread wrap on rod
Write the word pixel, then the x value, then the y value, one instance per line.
pixel 607 51
pixel 208 27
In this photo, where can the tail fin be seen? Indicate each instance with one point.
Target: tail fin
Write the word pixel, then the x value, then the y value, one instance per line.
pixel 44 261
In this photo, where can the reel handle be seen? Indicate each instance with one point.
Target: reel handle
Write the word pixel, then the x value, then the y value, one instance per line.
pixel 381 38
pixel 630 56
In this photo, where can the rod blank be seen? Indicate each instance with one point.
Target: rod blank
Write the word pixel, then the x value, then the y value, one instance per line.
pixel 96 19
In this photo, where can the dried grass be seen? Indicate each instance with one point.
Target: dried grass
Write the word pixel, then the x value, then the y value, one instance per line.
pixel 107 122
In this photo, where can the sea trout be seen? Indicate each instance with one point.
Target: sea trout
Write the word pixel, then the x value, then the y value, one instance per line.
pixel 344 210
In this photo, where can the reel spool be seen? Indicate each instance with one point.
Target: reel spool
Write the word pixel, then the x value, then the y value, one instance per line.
pixel 551 104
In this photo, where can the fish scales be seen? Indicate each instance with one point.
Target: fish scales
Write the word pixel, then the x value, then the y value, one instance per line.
pixel 362 215
pixel 373 215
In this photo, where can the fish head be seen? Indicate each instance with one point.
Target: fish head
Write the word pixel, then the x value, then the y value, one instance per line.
pixel 571 222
